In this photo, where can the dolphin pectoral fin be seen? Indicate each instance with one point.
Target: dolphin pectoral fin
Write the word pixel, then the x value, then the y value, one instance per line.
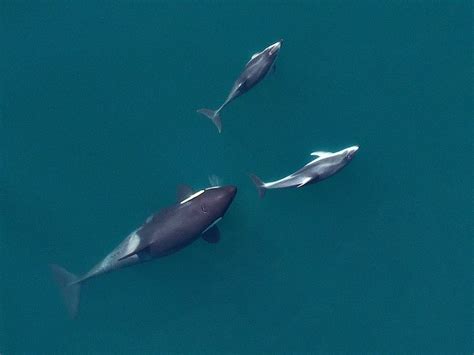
pixel 305 181
pixel 183 192
pixel 212 235
pixel 274 68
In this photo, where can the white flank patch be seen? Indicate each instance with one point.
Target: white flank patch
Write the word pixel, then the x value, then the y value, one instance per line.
pixel 191 197
pixel 133 243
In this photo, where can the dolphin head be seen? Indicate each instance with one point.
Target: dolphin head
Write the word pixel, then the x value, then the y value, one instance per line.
pixel 273 49
pixel 216 200
pixel 350 152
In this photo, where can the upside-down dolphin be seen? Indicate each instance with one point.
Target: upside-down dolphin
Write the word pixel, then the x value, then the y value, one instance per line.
pixel 325 165
pixel 255 70
pixel 163 233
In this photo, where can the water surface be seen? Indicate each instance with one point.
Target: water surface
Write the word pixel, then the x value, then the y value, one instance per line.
pixel 98 126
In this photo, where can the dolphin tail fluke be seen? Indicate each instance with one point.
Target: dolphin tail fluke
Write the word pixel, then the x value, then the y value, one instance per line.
pixel 259 184
pixel 214 116
pixel 70 287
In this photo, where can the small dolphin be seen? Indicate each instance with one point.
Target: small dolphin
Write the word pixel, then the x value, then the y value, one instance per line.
pixel 163 233
pixel 325 165
pixel 255 70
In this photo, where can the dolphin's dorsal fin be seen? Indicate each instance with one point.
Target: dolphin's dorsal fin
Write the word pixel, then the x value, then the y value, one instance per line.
pixel 183 192
pixel 321 154
pixel 215 180
pixel 253 57
pixel 212 235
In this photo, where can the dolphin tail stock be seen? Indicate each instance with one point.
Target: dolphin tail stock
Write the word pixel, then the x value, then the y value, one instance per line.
pixel 69 285
pixel 259 184
pixel 214 116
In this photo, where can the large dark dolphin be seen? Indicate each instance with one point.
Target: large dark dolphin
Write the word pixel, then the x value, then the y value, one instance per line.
pixel 255 70
pixel 325 165
pixel 163 233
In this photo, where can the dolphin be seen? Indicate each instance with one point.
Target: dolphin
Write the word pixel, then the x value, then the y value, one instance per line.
pixel 255 70
pixel 163 233
pixel 325 165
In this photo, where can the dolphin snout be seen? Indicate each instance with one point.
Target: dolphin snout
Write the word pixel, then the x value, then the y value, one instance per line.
pixel 275 47
pixel 351 151
pixel 231 190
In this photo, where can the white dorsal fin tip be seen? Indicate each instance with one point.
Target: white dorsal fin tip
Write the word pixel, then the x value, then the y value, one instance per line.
pixel 254 55
pixel 321 154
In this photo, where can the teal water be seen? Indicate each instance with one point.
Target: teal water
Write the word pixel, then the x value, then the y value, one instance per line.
pixel 98 126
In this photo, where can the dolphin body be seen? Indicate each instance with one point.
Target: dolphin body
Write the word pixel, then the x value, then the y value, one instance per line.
pixel 163 233
pixel 325 165
pixel 255 70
